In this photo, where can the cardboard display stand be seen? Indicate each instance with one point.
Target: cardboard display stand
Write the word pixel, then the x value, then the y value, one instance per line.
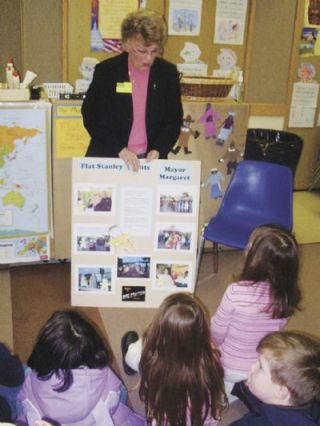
pixel 134 235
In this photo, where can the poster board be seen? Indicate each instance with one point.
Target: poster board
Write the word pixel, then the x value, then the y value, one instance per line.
pixel 70 139
pixel 25 181
pixel 134 235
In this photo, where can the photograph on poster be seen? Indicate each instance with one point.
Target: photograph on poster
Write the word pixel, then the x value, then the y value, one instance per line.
pixel 94 199
pixel 92 239
pixel 95 279
pixel 169 275
pixel 133 294
pixel 176 237
pixel 133 267
pixel 178 200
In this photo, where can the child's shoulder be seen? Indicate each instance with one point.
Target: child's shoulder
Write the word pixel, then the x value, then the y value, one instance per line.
pixel 246 285
pixel 248 288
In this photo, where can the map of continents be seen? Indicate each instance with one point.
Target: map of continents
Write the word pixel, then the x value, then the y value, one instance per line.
pixel 23 171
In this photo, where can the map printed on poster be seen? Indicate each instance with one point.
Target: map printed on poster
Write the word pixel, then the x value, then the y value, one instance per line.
pixel 134 235
pixel 24 182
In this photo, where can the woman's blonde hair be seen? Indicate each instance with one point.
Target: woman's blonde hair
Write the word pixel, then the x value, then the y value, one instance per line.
pixel 147 24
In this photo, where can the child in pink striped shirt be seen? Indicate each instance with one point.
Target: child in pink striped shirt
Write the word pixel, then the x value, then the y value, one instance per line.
pixel 261 302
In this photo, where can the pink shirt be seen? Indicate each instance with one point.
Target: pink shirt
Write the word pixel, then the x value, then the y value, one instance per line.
pixel 240 323
pixel 138 140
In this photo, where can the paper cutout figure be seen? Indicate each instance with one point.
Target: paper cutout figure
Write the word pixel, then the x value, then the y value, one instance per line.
pixel 191 53
pixel 86 69
pixel 306 72
pixel 227 60
pixel 231 157
pixel 209 119
pixel 185 132
pixel 226 128
pixel 120 239
pixel 214 180
pixel 192 65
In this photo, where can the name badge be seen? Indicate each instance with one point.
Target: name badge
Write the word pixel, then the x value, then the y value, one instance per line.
pixel 124 87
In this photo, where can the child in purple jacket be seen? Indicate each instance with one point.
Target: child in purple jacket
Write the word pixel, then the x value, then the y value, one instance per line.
pixel 70 380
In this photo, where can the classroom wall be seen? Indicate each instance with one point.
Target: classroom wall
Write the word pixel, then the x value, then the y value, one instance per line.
pixel 10 35
pixel 31 33
pixel 269 57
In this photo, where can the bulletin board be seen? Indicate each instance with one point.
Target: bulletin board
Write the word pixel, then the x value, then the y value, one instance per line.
pixel 269 57
pixel 134 235
pixel 70 140
pixel 77 15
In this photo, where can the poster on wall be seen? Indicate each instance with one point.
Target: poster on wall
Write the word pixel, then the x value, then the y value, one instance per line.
pixel 25 207
pixel 134 235
pixel 106 19
pixel 230 21
pixel 184 17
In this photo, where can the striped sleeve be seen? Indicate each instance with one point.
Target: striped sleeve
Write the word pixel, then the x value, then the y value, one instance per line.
pixel 223 317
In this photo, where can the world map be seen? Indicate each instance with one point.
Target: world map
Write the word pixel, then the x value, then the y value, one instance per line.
pixel 24 171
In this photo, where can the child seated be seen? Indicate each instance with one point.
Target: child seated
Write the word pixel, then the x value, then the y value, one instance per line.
pixel 71 382
pixel 11 380
pixel 283 387
pixel 181 375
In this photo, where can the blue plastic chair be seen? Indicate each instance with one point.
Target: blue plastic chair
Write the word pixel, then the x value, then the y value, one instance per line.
pixel 258 193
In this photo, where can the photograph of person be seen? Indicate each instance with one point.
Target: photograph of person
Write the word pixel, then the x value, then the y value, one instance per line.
pixel 92 239
pixel 176 237
pixel 94 199
pixel 133 267
pixel 176 200
pixel 172 275
pixel 95 279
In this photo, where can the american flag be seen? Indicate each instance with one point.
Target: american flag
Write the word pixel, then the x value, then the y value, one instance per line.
pixel 112 45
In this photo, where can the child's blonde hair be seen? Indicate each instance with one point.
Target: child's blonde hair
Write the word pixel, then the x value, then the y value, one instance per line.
pixel 294 360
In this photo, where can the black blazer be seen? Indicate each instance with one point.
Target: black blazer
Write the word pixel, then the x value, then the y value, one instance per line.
pixel 107 115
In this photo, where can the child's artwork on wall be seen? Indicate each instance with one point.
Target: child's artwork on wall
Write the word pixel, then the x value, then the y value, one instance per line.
pixel 209 120
pixel 230 21
pixel 184 17
pixel 308 42
pixel 214 181
pixel 86 70
pixel 186 132
pixel 227 61
pixel 192 64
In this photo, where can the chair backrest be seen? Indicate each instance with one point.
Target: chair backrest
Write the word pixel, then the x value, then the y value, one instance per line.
pixel 258 193
pixel 274 146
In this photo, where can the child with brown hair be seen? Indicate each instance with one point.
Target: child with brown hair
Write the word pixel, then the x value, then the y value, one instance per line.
pixel 181 375
pixel 283 387
pixel 260 302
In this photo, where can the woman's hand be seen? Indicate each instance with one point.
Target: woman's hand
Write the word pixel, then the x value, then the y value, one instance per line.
pixel 152 155
pixel 130 158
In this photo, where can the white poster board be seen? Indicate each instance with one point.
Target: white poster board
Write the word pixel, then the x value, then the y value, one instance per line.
pixel 134 235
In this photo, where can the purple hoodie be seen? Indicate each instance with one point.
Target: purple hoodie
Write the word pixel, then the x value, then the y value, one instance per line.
pixel 91 400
